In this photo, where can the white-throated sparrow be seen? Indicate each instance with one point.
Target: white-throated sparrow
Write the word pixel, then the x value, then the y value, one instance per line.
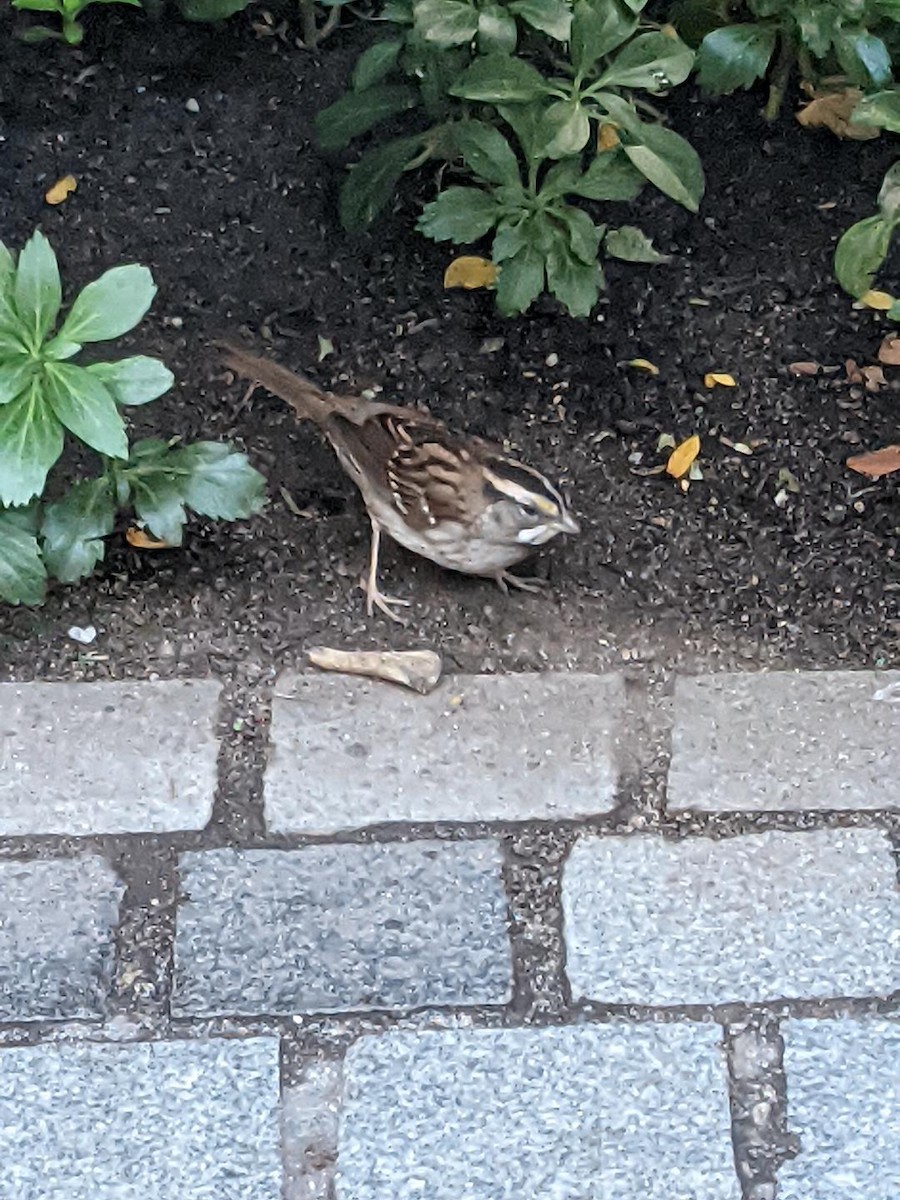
pixel 457 500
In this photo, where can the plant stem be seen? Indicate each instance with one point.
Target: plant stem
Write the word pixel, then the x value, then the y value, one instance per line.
pixel 780 75
pixel 313 36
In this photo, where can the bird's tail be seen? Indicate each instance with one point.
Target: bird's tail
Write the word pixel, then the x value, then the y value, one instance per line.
pixel 305 397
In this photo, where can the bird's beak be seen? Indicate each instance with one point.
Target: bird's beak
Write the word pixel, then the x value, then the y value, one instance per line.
pixel 568 524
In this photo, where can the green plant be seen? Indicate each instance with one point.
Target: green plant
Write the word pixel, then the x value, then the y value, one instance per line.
pixel 579 132
pixel 68 11
pixel 772 38
pixel 313 30
pixel 863 247
pixel 45 396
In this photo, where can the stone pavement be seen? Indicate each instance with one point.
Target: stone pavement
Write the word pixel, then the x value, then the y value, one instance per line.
pixel 534 937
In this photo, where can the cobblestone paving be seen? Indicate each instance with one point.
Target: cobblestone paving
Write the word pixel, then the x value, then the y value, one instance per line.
pixel 567 938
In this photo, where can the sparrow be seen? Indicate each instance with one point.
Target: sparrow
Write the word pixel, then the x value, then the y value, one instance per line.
pixel 454 499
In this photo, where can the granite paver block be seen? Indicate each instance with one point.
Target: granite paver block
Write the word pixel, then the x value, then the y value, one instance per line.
pixel 56 938
pixel 80 758
pixel 331 928
pixel 786 741
pixel 190 1120
pixel 349 752
pixel 614 1112
pixel 762 917
pixel 843 1095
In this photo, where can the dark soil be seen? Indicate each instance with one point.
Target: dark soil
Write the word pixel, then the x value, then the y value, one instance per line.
pixel 234 210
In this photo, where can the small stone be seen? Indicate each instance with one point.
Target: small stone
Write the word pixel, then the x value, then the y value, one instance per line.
pixel 84 635
pixel 192 106
pixel 551 360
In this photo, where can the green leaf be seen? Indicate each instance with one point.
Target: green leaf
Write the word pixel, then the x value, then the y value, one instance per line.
pixel 133 381
pixel 553 17
pixel 220 482
pixel 31 440
pixel 59 349
pixel 520 281
pixel 864 57
pixel 564 130
pixel 632 245
pixel 889 194
pixel 446 22
pixel 374 64
pixel 23 579
pixel 653 61
pixel 598 26
pixel 16 373
pixel 210 10
pixel 371 183
pixel 487 152
pixel 574 283
pixel 53 6
pixel 611 176
pixel 881 109
pixel 497 78
pixel 497 31
pixel 525 122
pixel 73 529
pixel 86 408
pixel 460 214
pixel 735 57
pixel 583 236
pixel 357 112
pixel 37 293
pixel 670 163
pixel 858 255
pixel 158 502
pixel 512 235
pixel 109 306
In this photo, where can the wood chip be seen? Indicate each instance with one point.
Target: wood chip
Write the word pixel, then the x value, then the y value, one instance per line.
pixel 419 670
pixel 877 463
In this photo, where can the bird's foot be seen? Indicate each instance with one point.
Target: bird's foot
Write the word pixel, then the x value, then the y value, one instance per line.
pixel 506 580
pixel 385 604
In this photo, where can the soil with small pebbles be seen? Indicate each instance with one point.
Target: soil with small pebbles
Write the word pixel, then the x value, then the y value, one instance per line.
pixel 194 154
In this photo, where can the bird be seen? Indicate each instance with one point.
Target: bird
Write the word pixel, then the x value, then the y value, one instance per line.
pixel 454 499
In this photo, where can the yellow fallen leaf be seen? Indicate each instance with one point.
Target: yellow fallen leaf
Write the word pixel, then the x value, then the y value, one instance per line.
pixel 880 300
pixel 470 271
pixel 607 138
pixel 682 456
pixel 713 378
pixel 643 364
pixel 61 189
pixel 141 540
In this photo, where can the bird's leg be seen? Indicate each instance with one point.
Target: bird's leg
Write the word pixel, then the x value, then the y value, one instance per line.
pixel 369 582
pixel 505 580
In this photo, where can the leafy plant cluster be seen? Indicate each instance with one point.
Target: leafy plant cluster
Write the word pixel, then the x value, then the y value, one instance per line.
pixel 315 25
pixel 863 247
pixel 540 105
pixel 46 397
pixel 755 39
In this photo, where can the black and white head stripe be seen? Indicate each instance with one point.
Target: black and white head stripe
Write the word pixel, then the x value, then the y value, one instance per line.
pixel 524 486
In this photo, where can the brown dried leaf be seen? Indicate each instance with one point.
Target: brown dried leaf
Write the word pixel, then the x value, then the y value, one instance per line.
pixel 876 463
pixel 889 351
pixel 873 378
pixel 854 375
pixel 804 368
pixel 832 110
pixel 419 670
